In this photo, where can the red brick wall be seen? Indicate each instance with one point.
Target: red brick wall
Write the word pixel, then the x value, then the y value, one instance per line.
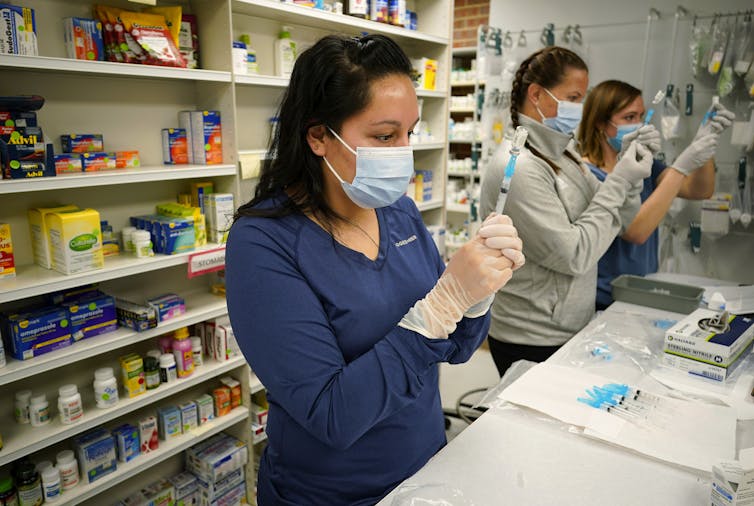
pixel 468 14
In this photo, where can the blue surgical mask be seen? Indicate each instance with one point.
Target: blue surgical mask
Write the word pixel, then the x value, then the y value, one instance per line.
pixel 622 130
pixel 568 117
pixel 382 174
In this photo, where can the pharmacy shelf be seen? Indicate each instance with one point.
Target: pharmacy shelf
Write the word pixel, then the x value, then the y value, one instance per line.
pixel 465 84
pixel 458 208
pixel 129 70
pixel 428 205
pixel 464 51
pixel 463 141
pixel 145 461
pixel 255 384
pixel 200 306
pixel 424 146
pixel 431 94
pixel 461 110
pixel 453 173
pixel 116 177
pixel 32 280
pixel 287 13
pixel 261 80
pixel 20 440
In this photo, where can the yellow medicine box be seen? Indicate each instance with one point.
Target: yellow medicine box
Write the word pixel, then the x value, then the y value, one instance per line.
pixel 132 366
pixel 7 266
pixel 40 244
pixel 75 239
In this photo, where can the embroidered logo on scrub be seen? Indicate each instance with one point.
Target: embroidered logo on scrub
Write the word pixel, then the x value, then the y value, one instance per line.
pixel 405 241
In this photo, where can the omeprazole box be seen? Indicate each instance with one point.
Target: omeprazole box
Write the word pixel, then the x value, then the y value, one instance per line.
pixel 700 345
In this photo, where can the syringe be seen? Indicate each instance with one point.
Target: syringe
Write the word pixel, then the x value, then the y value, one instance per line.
pixel 519 139
pixel 711 111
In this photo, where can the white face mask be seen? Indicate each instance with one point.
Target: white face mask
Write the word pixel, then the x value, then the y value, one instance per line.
pixel 382 174
pixel 568 117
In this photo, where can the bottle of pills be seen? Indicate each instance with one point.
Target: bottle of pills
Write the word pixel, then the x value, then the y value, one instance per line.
pixel 8 496
pixel 128 240
pixel 142 243
pixel 70 406
pixel 196 351
pixel 154 353
pixel 21 407
pixel 69 469
pixel 39 411
pixel 28 485
pixel 168 371
pixel 105 387
pixel 41 466
pixel 51 484
pixel 151 372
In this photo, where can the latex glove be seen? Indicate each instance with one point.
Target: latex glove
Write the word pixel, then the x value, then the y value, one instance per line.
pixel 696 154
pixel 635 164
pixel 473 274
pixel 499 233
pixel 646 135
pixel 719 122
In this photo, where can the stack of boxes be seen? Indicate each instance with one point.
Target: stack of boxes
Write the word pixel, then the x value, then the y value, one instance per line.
pixel 197 140
pixel 218 464
pixel 86 153
pixel 23 150
pixel 420 187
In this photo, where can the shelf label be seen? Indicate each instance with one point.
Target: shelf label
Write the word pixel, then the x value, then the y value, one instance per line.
pixel 205 262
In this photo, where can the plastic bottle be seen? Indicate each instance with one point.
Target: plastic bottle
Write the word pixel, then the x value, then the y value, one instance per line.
pixel 28 485
pixel 69 469
pixel 105 387
pixel 8 496
pixel 167 368
pixel 196 351
pixel 42 465
pixel 166 343
pixel 152 372
pixel 39 412
pixel 356 8
pixel 142 243
pixel 251 55
pixel 128 240
pixel 184 356
pixel 51 484
pixel 285 53
pixel 70 407
pixel 21 408
pixel 154 353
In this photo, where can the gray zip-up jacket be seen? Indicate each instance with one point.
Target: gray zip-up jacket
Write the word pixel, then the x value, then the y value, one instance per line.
pixel 566 222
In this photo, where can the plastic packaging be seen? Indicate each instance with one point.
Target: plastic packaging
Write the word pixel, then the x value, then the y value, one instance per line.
pixel 743 47
pixel 39 410
pixel 167 368
pixel 70 407
pixel 184 358
pixel 21 408
pixel 252 67
pixel 431 494
pixel 51 484
pixel 670 124
pixel 142 243
pixel 285 53
pixel 69 469
pixel 196 351
pixel 718 47
pixel 105 387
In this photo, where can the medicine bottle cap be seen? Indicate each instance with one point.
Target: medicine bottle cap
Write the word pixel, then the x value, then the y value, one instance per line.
pixel 103 374
pixel 141 235
pixel 196 342
pixel 39 399
pixel 26 472
pixel 716 302
pixel 150 363
pixel 167 360
pixel 129 230
pixel 67 390
pixel 50 474
pixel 65 457
pixel 156 354
pixel 181 333
pixel 41 466
pixel 23 395
pixel 6 483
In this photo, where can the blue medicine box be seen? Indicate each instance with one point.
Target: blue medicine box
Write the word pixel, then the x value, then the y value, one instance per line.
pixel 127 439
pixel 38 331
pixel 91 315
pixel 96 454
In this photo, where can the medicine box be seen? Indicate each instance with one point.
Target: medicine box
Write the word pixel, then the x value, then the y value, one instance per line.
pixel 259 414
pixel 96 454
pixel 215 458
pixel 68 162
pixel 223 339
pixel 127 441
pixel 75 240
pixel 184 484
pixel 175 146
pixel 188 416
pixel 135 316
pixel 72 294
pixel 699 346
pixel 83 39
pixel 427 70
pixel 12 120
pixel 221 399
pixel 235 390
pixel 19 30
pixel 173 235
pixel 234 497
pixel 219 210
pixel 98 160
pixel 33 333
pixel 91 315
pixel 40 243
pixel 148 436
pixel 184 122
pixel 7 264
pixel 82 143
pixel 167 306
pixel 206 136
pixel 176 210
pixel 127 159
pixel 169 422
pixel 132 367
pixel 208 491
pixel 24 154
pixel 205 410
pixel 198 191
pixel 160 493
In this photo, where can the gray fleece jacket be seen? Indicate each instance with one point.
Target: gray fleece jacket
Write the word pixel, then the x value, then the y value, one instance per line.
pixel 566 222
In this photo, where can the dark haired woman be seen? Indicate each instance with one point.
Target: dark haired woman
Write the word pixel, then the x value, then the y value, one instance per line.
pixel 613 114
pixel 336 292
pixel 565 217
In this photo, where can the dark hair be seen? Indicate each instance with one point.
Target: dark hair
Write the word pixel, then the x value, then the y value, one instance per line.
pixel 547 68
pixel 331 81
pixel 603 101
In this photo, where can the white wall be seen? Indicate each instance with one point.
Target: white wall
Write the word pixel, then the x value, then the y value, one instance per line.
pixel 614 34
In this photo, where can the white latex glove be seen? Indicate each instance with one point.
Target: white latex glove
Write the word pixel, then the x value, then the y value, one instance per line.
pixel 499 233
pixel 473 274
pixel 634 165
pixel 719 122
pixel 696 154
pixel 646 135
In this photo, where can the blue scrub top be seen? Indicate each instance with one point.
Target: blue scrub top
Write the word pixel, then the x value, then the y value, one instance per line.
pixel 624 257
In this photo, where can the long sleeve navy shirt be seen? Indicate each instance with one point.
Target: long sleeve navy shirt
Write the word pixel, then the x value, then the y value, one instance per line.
pixel 354 399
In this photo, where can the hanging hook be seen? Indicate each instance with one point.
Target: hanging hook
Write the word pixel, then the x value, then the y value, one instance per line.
pixel 567 34
pixel 577 37
pixel 654 13
pixel 522 39
pixel 681 12
pixel 508 40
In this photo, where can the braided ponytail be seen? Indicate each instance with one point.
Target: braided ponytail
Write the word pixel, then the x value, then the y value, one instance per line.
pixel 516 89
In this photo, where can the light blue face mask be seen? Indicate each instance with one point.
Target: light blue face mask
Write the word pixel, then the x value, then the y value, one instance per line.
pixel 382 174
pixel 622 130
pixel 568 117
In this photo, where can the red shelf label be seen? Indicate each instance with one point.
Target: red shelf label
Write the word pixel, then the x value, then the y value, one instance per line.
pixel 205 262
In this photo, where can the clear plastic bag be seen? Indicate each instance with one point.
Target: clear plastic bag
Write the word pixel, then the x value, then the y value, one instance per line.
pixel 699 40
pixel 743 47
pixel 431 494
pixel 716 55
pixel 670 122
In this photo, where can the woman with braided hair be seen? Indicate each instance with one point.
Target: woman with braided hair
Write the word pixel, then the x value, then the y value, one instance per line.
pixel 566 218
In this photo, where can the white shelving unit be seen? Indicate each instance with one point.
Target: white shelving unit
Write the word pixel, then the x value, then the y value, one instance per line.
pixel 129 105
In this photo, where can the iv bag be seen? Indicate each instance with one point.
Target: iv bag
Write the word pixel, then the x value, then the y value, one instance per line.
pixel 743 47
pixel 717 49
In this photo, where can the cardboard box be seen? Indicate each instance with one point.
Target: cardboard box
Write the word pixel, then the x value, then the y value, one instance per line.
pixel 68 162
pixel 205 410
pixel 175 147
pixel 127 441
pixel 167 306
pixel 216 458
pixel 33 333
pixel 219 209
pixel 135 316
pixel 96 454
pixel 189 419
pixel 235 390
pixel 75 240
pixel 184 122
pixel 82 143
pixel 169 422
pixel 132 367
pixel 25 154
pixel 83 39
pixel 91 315
pixel 19 30
pixel 127 159
pixel 96 161
pixel 160 493
pixel 206 137
pixel 40 243
pixel 7 263
pixel 148 435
